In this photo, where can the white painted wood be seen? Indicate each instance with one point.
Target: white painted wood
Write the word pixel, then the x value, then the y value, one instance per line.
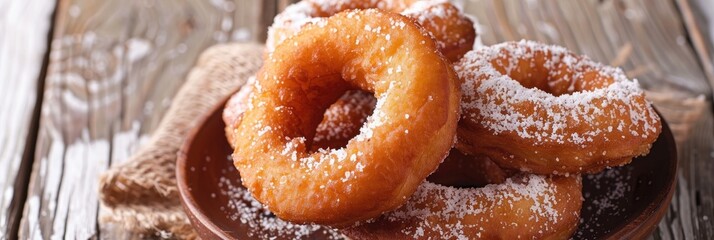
pixel 24 26
pixel 114 68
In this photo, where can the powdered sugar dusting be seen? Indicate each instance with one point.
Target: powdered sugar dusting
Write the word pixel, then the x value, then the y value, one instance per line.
pixel 552 116
pixel 260 221
pixel 432 204
pixel 377 118
pixel 608 199
pixel 290 20
pixel 306 12
pixel 334 6
pixel 444 22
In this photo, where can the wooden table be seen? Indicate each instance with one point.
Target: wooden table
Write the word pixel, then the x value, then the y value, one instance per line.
pixel 83 82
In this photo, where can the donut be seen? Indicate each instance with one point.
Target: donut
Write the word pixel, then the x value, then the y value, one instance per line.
pixel 235 107
pixel 461 170
pixel 454 32
pixel 542 109
pixel 409 133
pixel 340 123
pixel 525 206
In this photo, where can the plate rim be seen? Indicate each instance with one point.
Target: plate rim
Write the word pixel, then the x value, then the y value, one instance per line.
pixel 188 202
pixel 658 207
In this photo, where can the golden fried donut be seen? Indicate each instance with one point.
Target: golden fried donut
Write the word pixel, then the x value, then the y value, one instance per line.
pixel 526 206
pixel 404 140
pixel 542 109
pixel 340 123
pixel 453 31
pixel 461 170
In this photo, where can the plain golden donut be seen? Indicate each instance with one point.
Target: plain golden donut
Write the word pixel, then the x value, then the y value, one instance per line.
pixel 404 140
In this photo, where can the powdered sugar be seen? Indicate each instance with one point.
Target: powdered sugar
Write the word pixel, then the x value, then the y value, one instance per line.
pixel 334 6
pixel 374 121
pixel 291 19
pixel 260 221
pixel 607 199
pixel 459 211
pixel 306 12
pixel 490 96
pixel 443 20
pixel 424 10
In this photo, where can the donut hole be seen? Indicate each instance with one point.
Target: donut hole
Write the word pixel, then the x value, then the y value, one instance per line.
pixel 465 171
pixel 343 119
pixel 553 74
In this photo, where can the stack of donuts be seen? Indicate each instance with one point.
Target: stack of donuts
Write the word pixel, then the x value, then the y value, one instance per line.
pixel 381 120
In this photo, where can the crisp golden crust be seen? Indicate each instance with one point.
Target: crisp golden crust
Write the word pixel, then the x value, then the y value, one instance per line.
pixel 340 123
pixel 523 207
pixel 542 109
pixel 453 31
pixel 408 135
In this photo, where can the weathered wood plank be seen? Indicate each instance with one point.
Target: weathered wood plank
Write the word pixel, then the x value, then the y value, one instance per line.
pixel 648 40
pixel 698 17
pixel 699 20
pixel 600 29
pixel 24 26
pixel 114 68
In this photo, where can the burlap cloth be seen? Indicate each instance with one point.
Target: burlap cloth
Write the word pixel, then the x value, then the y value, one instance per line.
pixel 141 194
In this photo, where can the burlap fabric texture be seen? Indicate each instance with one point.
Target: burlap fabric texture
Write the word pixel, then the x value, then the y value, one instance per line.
pixel 141 195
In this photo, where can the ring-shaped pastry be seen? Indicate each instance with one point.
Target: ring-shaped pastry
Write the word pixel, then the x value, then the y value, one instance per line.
pixel 542 109
pixel 404 140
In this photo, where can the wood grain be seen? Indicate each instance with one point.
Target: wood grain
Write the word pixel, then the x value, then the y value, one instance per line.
pixel 24 26
pixel 114 68
pixel 698 16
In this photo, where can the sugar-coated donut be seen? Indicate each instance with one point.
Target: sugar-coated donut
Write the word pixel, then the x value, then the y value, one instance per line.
pixel 454 32
pixel 525 206
pixel 542 109
pixel 404 140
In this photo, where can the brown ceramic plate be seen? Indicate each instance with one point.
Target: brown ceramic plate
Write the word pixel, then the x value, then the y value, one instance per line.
pixel 621 203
